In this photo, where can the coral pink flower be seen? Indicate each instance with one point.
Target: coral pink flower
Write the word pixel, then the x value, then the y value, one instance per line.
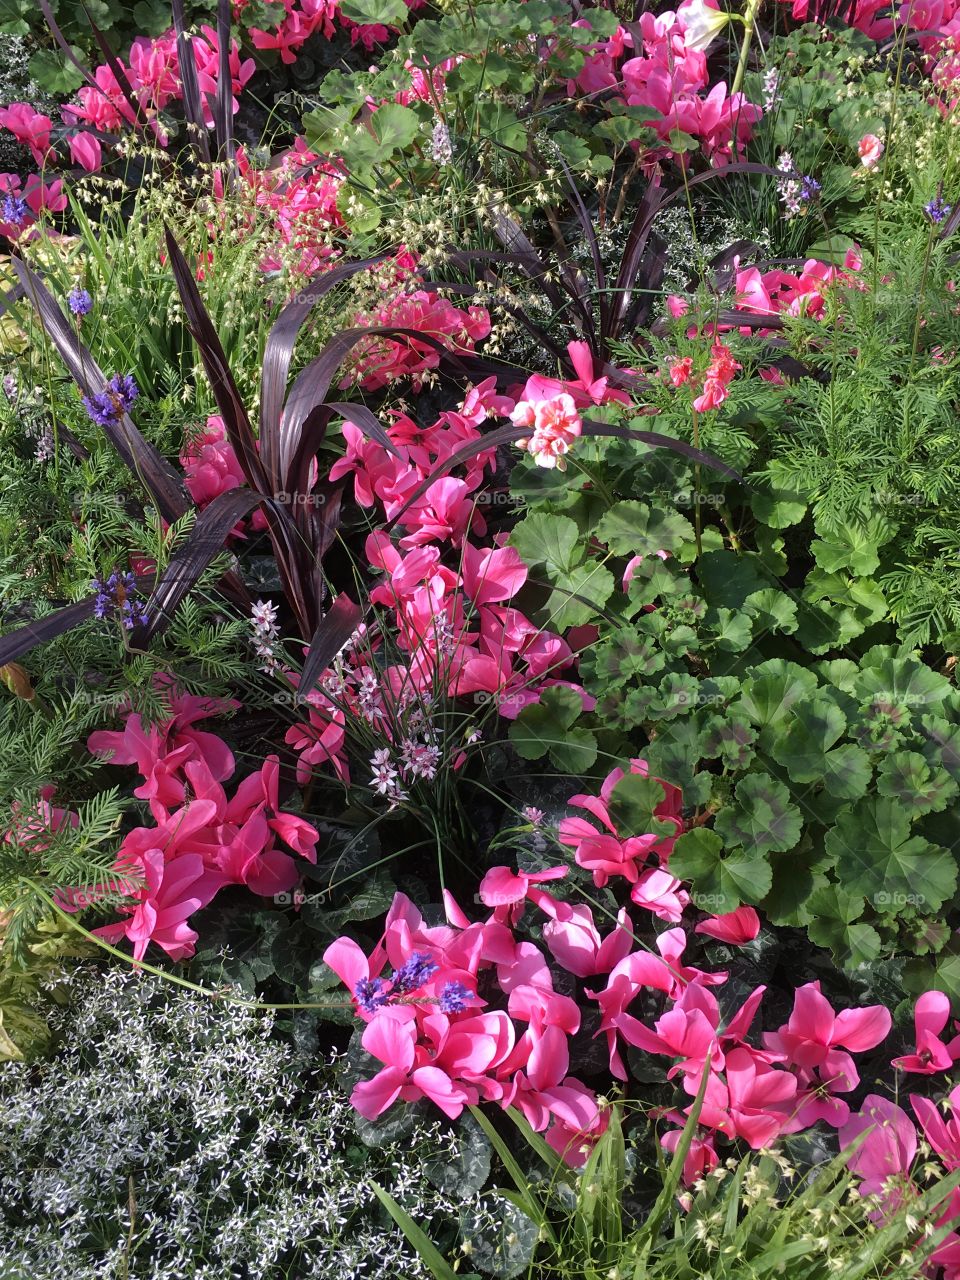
pixel 736 927
pixel 685 1032
pixel 680 370
pixel 658 891
pixel 869 149
pixel 556 424
pixel 930 1016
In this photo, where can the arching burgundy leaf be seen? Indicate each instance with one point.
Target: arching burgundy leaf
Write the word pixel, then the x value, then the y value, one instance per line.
pixel 145 461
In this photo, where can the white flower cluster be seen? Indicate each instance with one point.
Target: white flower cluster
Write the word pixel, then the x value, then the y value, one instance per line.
pixel 263 620
pixel 176 1137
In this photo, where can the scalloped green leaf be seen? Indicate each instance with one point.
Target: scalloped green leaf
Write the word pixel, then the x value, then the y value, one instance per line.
pixel 634 529
pixel 722 881
pixel 544 728
pixel 633 805
pixel 878 858
pixel 907 778
pixel 763 819
pixel 773 688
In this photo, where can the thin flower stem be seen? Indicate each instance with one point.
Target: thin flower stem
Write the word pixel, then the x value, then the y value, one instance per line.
pixel 170 977
pixel 749 25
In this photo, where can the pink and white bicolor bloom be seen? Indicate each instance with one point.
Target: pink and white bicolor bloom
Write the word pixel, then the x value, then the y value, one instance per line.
pixel 556 424
pixel 870 150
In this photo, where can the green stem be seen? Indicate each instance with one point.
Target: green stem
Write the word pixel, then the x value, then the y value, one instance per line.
pixel 749 23
pixel 170 977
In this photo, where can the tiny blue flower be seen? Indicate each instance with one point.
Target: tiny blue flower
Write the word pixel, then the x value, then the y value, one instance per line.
pixel 936 210
pixel 454 997
pixel 412 975
pixel 14 209
pixel 79 302
pixel 370 995
pixel 809 187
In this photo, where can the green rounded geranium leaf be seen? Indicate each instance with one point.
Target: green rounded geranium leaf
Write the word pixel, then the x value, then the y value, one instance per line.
pixel 877 857
pixel 633 529
pixel 763 819
pixel 720 881
pixel 774 687
pixel 907 778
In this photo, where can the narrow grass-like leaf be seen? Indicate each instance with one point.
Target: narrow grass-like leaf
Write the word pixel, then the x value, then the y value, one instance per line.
pixel 427 1251
pixel 529 1201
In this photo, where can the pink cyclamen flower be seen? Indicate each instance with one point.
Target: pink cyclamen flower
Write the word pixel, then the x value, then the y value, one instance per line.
pixel 556 424
pixel 506 890
pixel 173 890
pixel 29 127
pixel 930 1016
pixel 869 149
pixel 887 1152
pixel 943 1135
pixel 736 927
pixel 85 150
pixel 814 1032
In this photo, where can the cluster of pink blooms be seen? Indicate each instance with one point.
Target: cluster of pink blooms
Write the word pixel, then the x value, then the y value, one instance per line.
pixel 202 840
pixel 378 361
pixel 605 854
pixel 937 20
pixel 659 63
pixel 300 192
pixel 456 626
pixel 22 202
pixel 211 468
pixel 720 372
pixel 438 1038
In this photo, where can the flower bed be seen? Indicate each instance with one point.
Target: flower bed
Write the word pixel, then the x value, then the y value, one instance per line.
pixel 480 610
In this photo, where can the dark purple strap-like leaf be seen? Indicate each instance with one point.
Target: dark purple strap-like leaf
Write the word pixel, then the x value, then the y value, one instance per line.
pixel 658 441
pixel 329 638
pixel 204 542
pixel 511 235
pixel 590 235
pixel 492 440
pixel 310 388
pixel 142 458
pixel 653 202
pixel 223 106
pixel 225 390
pixel 116 66
pixel 16 643
pixel 192 106
pixel 361 417
pixel 508 435
pixel 278 352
